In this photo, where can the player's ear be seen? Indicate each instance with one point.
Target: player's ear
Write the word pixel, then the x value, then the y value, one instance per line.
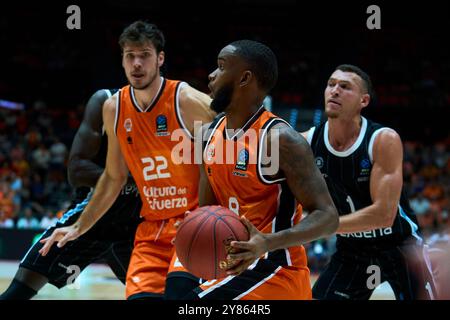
pixel 161 57
pixel 246 77
pixel 365 100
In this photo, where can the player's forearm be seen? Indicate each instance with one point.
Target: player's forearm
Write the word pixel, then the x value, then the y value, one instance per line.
pixel 105 193
pixel 318 224
pixel 366 219
pixel 83 173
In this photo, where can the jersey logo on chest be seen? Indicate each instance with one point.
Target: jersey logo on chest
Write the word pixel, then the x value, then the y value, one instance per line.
pixel 161 126
pixel 364 170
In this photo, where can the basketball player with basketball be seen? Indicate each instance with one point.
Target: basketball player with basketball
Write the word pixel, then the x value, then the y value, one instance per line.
pixel 140 121
pixel 112 237
pixel 362 164
pixel 272 264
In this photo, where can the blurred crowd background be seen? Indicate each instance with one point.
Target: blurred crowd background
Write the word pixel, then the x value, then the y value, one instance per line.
pixel 48 73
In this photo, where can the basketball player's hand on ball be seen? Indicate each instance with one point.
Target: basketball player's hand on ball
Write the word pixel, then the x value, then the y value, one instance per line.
pixel 61 236
pixel 244 253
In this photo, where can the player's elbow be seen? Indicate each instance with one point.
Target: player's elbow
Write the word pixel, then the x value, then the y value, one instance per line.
pixel 117 178
pixel 73 167
pixel 388 218
pixel 387 215
pixel 332 221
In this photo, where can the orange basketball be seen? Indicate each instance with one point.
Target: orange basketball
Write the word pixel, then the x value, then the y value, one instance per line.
pixel 202 240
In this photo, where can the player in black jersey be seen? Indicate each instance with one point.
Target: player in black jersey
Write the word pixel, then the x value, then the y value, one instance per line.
pixel 110 240
pixel 378 238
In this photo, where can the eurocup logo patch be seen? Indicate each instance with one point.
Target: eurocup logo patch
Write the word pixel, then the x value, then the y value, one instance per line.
pixel 365 169
pixel 127 124
pixel 210 152
pixel 365 163
pixel 161 125
pixel 242 160
pixel 319 162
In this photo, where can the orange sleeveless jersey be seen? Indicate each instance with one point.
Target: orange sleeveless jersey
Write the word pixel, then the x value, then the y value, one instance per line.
pixel 239 185
pixel 167 188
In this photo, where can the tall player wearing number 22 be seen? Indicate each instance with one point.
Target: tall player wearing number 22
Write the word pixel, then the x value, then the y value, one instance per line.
pixel 141 121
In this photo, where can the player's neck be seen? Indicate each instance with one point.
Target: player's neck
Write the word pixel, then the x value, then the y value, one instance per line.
pixel 342 133
pixel 146 96
pixel 237 116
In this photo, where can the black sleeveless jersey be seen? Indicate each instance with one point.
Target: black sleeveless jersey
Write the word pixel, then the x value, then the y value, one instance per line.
pixel 347 175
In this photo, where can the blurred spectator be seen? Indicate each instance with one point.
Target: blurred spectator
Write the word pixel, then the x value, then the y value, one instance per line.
pixel 28 221
pixel 37 189
pixel 48 220
pixel 16 187
pixel 433 190
pixel 5 222
pixel 41 158
pixel 420 205
pixel 33 138
pixel 6 199
pixel 58 154
pixel 440 156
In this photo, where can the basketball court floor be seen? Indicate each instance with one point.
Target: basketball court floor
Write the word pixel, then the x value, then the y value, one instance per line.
pixel 97 282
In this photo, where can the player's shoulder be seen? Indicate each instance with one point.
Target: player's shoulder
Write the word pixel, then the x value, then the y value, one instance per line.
pixel 101 95
pixel 386 137
pixel 195 104
pixel 193 97
pixel 110 105
pixel 287 136
pixel 189 92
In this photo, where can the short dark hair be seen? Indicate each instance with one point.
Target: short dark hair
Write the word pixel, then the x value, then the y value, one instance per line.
pixel 141 31
pixel 261 60
pixel 363 75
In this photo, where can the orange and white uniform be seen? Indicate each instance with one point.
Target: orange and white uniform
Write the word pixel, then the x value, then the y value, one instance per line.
pixel 239 185
pixel 168 188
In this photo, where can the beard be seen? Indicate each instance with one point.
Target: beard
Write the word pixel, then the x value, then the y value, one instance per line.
pixel 331 114
pixel 145 85
pixel 222 99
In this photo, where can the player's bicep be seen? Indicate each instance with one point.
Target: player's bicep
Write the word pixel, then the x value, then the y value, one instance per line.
pixel 302 175
pixel 86 143
pixel 115 163
pixel 386 178
pixel 87 140
pixel 195 108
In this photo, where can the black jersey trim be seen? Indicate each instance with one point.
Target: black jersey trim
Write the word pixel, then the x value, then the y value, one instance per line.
pixel 235 287
pixel 153 103
pixel 284 219
pixel 117 111
pixel 247 124
pixel 213 127
pixel 176 104
pixel 265 128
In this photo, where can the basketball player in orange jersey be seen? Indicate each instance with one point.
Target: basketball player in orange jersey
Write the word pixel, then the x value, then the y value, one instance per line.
pixel 139 121
pixel 273 263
